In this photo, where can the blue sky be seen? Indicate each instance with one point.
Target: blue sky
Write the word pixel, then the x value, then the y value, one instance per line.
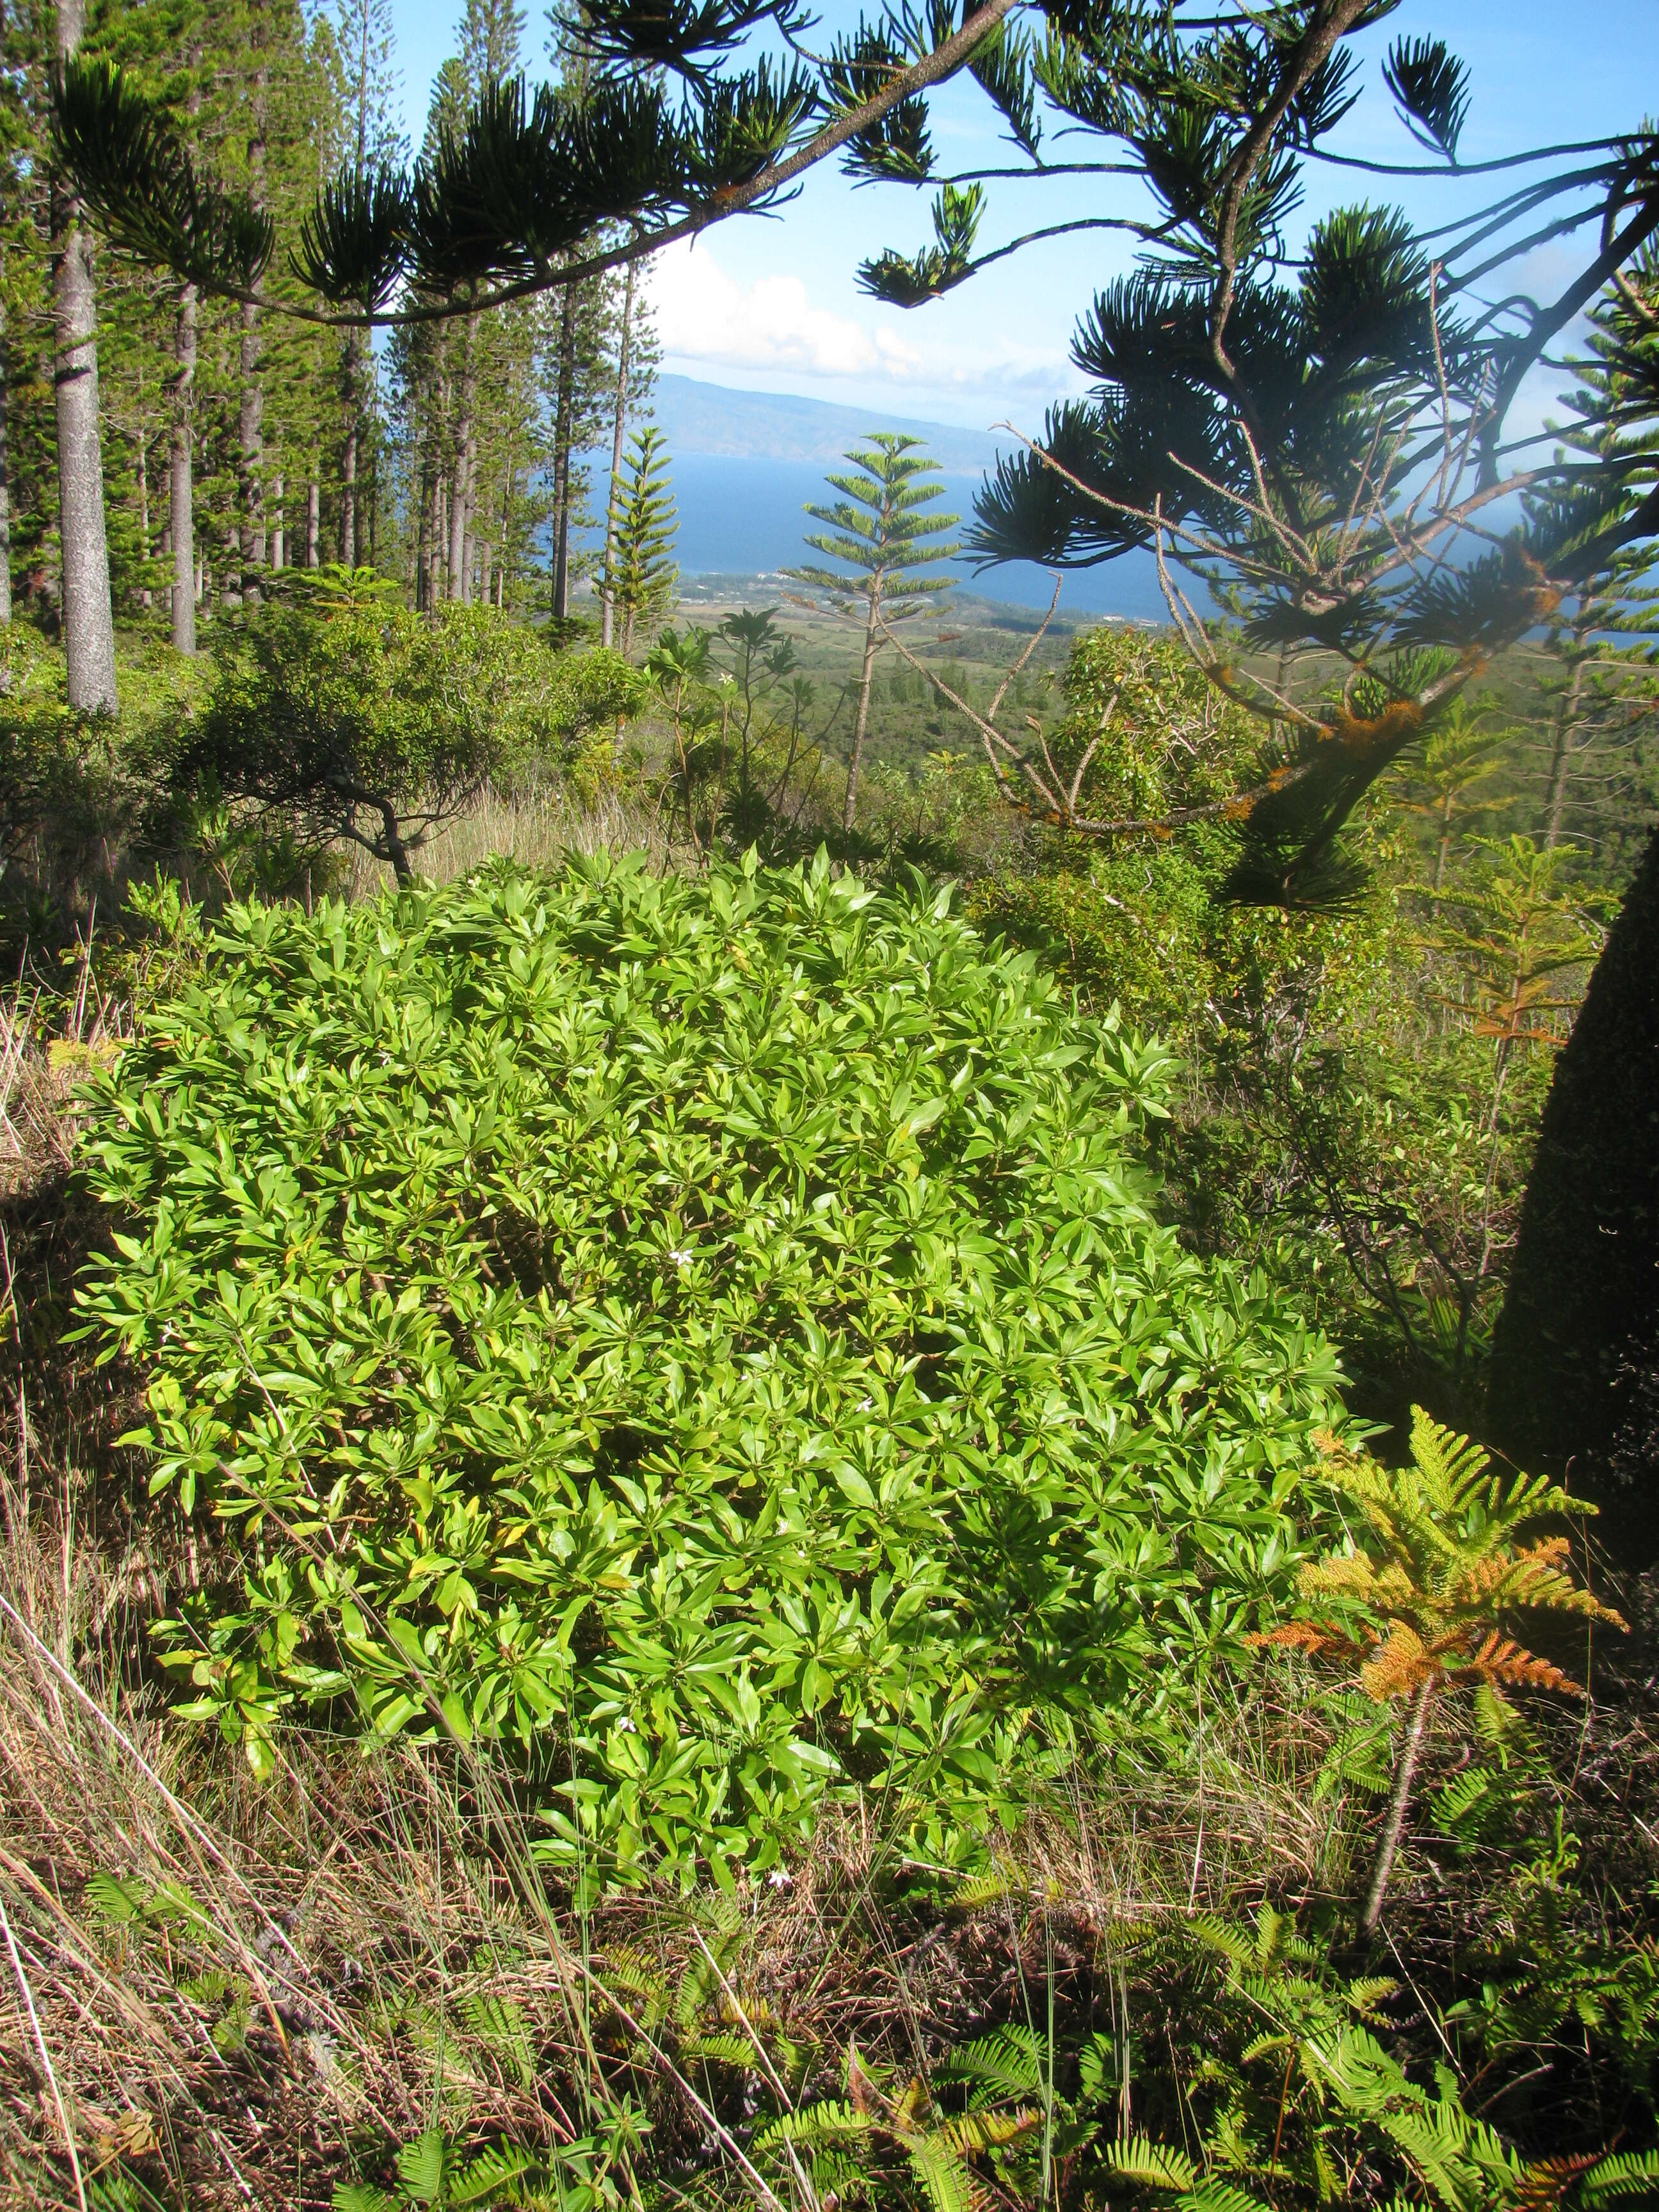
pixel 775 306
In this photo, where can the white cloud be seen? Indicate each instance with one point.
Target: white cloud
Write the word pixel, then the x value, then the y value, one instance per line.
pixel 705 315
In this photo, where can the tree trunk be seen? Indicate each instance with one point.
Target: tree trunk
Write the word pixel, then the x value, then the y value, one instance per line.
pixel 250 437
pixel 466 459
pixel 186 586
pixel 143 510
pixel 1410 1752
pixel 1566 721
pixel 88 619
pixel 434 542
pixel 250 421
pixel 348 465
pixel 872 640
pixel 421 544
pixel 618 423
pixel 5 467
pixel 1575 1368
pixel 313 524
pixel 278 535
pixel 561 437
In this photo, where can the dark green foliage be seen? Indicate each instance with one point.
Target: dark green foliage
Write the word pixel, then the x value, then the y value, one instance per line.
pixel 515 185
pixel 1311 429
pixel 1576 1362
pixel 140 181
pixel 707 1337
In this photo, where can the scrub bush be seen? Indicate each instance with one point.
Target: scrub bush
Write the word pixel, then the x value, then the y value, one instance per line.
pixel 709 1337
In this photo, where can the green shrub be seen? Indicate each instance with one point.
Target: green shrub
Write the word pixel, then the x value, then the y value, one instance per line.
pixel 708 1336
pixel 368 724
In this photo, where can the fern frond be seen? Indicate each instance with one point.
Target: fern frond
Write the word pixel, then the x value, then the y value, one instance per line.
pixel 1315 1636
pixel 1497 1659
pixel 498 2022
pixel 1534 1578
pixel 1233 1943
pixel 491 2170
pixel 1545 2184
pixel 1367 1995
pixel 1217 2195
pixel 972 2131
pixel 724 2049
pixel 830 2122
pixel 1153 2165
pixel 975 1891
pixel 1399 1666
pixel 1009 2058
pixel 1627 2173
pixel 943 2173
pixel 1451 1466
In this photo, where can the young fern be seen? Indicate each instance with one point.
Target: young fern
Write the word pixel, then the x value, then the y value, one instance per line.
pixel 1419 1609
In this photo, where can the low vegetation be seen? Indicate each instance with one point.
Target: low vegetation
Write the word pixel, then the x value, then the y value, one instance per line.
pixel 756 1394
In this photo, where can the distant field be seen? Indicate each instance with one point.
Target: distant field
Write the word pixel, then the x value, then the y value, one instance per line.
pixel 971 641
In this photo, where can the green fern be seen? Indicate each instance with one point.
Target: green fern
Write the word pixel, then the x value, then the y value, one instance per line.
pixel 1627 2173
pixel 499 2023
pixel 1137 2158
pixel 1008 2062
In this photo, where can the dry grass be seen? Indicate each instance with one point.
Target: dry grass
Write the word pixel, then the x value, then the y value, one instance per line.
pixel 291 1980
pixel 540 826
pixel 356 1952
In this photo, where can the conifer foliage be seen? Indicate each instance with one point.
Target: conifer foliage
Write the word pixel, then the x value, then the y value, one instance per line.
pixel 1316 425
pixel 638 579
pixel 882 534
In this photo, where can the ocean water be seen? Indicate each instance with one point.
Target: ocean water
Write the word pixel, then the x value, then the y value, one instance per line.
pixel 743 517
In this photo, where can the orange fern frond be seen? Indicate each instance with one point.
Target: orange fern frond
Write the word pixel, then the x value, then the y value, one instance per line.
pixel 1534 1578
pixel 1315 1636
pixel 1543 2185
pixel 1399 1666
pixel 1498 1659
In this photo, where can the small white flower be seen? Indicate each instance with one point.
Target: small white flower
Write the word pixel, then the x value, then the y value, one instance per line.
pixel 625 1727
pixel 680 1259
pixel 864 1404
pixel 781 1878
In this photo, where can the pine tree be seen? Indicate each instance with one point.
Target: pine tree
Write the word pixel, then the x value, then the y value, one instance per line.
pixel 882 534
pixel 639 582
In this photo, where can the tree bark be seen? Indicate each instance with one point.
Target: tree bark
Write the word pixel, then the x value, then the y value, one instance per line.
pixel 144 509
pixel 278 535
pixel 348 465
pixel 186 584
pixel 466 460
pixel 872 640
pixel 1575 1360
pixel 434 542
pixel 1410 1752
pixel 88 618
pixel 1566 721
pixel 313 524
pixel 5 469
pixel 250 422
pixel 561 437
pixel 618 423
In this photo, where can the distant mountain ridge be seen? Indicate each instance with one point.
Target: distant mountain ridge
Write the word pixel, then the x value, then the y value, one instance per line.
pixel 775 426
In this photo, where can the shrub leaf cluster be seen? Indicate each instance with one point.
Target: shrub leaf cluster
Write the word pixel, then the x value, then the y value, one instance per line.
pixel 710 1336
